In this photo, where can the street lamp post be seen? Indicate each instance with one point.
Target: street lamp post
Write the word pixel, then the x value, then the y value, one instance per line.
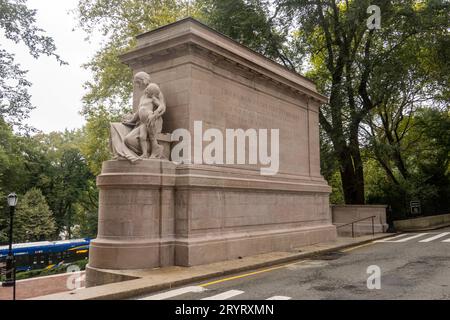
pixel 10 267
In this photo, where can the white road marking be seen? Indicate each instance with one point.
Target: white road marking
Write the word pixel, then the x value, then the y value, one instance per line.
pixel 225 295
pixel 435 237
pixel 279 298
pixel 448 240
pixel 389 239
pixel 410 238
pixel 174 293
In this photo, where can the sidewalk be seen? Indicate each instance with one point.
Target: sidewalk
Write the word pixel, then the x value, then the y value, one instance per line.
pixel 36 287
pixel 165 278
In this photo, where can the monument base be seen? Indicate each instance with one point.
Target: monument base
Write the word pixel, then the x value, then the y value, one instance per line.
pixel 192 252
pixel 135 203
pixel 98 277
pixel 125 255
pixel 155 214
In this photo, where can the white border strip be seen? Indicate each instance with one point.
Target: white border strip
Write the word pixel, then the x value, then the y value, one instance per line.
pixel 174 293
pixel 226 295
pixel 436 237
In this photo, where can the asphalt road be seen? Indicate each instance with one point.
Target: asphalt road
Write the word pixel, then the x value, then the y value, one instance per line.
pixel 412 266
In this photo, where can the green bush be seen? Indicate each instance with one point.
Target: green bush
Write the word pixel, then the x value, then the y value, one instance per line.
pixel 48 272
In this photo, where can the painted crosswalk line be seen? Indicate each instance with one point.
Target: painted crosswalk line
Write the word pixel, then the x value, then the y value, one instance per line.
pixel 279 298
pixel 436 237
pixel 411 238
pixel 404 237
pixel 174 293
pixel 197 289
pixel 225 295
pixel 392 238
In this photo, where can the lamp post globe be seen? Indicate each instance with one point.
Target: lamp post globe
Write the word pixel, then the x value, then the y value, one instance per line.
pixel 10 268
pixel 12 200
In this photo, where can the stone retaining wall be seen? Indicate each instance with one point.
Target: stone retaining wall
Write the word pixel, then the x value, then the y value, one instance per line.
pixel 424 223
pixel 344 214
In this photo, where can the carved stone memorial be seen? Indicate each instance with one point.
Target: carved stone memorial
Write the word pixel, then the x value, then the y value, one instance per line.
pixel 156 212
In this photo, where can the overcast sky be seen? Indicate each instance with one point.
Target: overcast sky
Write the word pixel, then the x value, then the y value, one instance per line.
pixel 57 90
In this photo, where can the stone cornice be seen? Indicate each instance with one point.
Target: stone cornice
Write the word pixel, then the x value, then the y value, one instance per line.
pixel 190 35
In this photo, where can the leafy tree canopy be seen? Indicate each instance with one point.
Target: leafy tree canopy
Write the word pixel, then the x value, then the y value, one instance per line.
pixel 33 219
pixel 18 25
pixel 119 22
pixel 377 80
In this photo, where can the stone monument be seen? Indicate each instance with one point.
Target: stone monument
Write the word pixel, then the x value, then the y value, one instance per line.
pixel 154 212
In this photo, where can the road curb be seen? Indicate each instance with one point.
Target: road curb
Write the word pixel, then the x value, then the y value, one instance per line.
pixel 143 286
pixel 300 256
pixel 412 230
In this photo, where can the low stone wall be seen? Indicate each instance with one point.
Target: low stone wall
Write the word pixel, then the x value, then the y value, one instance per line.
pixel 42 286
pixel 423 223
pixel 95 276
pixel 344 214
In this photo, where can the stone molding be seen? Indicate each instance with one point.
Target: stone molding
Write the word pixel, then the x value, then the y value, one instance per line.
pixel 190 35
pixel 168 175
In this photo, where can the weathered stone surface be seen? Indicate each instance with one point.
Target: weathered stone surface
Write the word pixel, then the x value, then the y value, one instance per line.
pixel 345 214
pixel 154 213
pixel 423 223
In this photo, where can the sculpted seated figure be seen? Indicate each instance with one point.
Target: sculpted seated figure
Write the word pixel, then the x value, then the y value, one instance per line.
pixel 136 137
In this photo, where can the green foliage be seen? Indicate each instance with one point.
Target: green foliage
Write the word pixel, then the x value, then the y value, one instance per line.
pixel 330 169
pixel 252 23
pixel 48 272
pixel 13 171
pixel 86 212
pixel 54 164
pixel 95 142
pixel 425 152
pixel 18 24
pixel 375 79
pixel 109 92
pixel 388 89
pixel 119 22
pixel 33 219
pixel 337 194
pixel 67 176
pixel 363 70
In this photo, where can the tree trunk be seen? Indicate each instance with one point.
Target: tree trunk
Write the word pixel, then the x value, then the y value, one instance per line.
pixel 358 165
pixel 352 177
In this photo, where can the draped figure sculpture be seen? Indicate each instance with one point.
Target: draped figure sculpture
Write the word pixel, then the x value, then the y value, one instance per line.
pixel 135 137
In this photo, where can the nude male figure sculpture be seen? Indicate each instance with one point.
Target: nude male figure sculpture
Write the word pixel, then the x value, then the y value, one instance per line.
pixel 136 137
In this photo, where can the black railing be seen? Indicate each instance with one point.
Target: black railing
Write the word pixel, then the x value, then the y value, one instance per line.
pixel 356 221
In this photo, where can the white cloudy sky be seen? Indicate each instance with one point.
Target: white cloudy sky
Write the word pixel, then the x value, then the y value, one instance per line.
pixel 57 90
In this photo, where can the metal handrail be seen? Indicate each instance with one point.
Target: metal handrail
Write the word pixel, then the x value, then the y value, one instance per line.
pixel 356 221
